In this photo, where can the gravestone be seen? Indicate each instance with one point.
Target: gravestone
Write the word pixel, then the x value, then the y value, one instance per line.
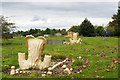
pixel 55 41
pixel 105 39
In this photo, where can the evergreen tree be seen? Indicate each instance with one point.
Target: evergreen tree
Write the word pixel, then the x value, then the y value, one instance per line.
pixel 47 31
pixel 115 24
pixel 63 32
pixel 119 19
pixel 86 28
pixel 6 27
pixel 100 31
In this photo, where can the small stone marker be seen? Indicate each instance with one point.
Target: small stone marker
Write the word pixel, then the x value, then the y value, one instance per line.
pixel 24 72
pixel 21 71
pixel 43 74
pixel 79 57
pixel 67 70
pixel 17 70
pixel 84 66
pixel 28 72
pixel 55 41
pixel 105 39
pixel 49 73
pixel 50 69
pixel 12 72
pixel 64 66
pixel 80 71
pixel 71 69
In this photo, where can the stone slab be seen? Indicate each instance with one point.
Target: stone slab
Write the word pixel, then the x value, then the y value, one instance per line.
pixel 55 41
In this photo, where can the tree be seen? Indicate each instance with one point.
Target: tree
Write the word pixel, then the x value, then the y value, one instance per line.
pixel 25 33
pixel 6 27
pixel 33 31
pixel 47 31
pixel 100 31
pixel 119 20
pixel 110 30
pixel 63 32
pixel 86 28
pixel 114 26
pixel 53 31
pixel 74 28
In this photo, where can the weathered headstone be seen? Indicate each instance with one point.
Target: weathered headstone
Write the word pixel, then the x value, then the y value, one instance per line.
pixel 55 41
pixel 105 39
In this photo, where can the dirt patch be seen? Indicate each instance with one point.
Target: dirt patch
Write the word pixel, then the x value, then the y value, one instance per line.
pixel 58 71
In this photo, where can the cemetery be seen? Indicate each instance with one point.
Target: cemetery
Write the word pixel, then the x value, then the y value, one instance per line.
pixel 47 40
pixel 44 57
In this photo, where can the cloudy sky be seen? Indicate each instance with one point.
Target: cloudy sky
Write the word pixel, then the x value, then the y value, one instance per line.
pixel 58 14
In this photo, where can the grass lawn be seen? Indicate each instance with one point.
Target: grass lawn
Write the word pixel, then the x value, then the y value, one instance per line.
pixel 91 46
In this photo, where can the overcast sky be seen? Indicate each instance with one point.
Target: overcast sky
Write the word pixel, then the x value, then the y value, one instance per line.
pixel 58 15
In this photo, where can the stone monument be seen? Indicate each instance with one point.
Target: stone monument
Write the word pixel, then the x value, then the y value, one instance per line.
pixel 54 41
pixel 35 47
pixel 74 40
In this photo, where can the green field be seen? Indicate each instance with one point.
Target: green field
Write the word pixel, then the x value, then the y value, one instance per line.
pixel 90 45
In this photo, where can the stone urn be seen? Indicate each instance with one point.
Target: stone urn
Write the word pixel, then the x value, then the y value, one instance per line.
pixel 35 47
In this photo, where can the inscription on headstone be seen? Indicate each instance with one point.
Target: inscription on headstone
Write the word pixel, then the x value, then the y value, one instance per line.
pixel 54 41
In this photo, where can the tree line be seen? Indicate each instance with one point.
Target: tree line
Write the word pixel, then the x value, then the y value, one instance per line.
pixel 86 28
pixel 39 32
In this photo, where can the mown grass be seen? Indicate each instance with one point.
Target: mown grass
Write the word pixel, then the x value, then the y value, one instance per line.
pixel 90 45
